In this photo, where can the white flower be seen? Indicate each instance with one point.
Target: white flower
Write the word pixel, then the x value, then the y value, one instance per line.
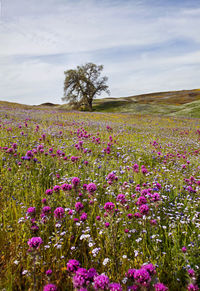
pixel 136 253
pixel 124 280
pixel 105 261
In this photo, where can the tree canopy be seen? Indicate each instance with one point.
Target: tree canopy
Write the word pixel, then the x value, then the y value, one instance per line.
pixel 83 84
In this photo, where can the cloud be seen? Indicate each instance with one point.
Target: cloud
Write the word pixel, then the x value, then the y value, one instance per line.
pixel 143 45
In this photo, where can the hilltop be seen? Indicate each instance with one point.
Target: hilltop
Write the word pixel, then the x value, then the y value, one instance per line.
pixel 173 103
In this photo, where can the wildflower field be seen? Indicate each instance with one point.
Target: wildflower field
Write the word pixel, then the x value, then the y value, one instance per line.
pixel 93 201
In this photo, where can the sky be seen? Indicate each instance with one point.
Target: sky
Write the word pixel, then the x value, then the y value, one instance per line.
pixel 145 45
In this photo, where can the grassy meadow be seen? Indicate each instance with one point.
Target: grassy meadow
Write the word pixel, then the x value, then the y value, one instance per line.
pixel 99 201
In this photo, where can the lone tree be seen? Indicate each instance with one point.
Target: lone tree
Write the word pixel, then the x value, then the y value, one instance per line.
pixel 83 84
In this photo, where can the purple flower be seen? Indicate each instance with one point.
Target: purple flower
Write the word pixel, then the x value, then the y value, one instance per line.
pixel 109 206
pixel 44 201
pixel 79 206
pixel 191 273
pixel 83 216
pixel 50 287
pixel 72 265
pixel 130 215
pixel 107 224
pixel 35 242
pixel 184 249
pixel 142 277
pixel 84 186
pixel 101 282
pixel 192 287
pixel 31 211
pixel 80 278
pixel 137 215
pixel 133 288
pixel 59 213
pixel 160 287
pixel 111 176
pixel 121 198
pixel 46 210
pixel 115 287
pixel 131 273
pixel 141 200
pixel 49 272
pixel 49 192
pixel 29 154
pixel 135 168
pixel 155 197
pixel 56 188
pixel 150 268
pixel 144 209
pixel 75 181
pixel 66 187
pixel 91 273
pixel 91 188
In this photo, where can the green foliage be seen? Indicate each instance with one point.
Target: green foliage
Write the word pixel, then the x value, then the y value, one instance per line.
pixel 83 84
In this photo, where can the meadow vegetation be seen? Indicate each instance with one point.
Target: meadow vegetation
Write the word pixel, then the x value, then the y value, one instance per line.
pixel 98 201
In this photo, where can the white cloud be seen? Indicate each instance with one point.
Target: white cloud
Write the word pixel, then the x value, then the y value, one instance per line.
pixel 87 30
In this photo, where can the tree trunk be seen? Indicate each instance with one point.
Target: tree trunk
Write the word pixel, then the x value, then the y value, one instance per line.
pixel 90 105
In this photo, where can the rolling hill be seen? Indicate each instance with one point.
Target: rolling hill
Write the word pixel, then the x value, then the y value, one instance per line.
pixel 173 103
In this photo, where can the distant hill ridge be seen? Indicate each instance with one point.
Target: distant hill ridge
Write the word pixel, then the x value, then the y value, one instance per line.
pixel 174 103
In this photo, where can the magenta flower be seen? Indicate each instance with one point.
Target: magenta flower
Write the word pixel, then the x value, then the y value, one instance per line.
pixel 130 273
pixel 137 215
pixel 107 224
pixel 130 215
pixel 35 242
pixel 115 287
pixel 66 187
pixel 141 200
pixel 144 209
pixel 135 168
pixel 83 216
pixel 56 188
pixel 50 287
pixel 49 192
pixel 191 273
pixel 160 287
pixel 150 268
pixel 79 206
pixel 80 278
pixel 75 181
pixel 142 277
pixel 192 287
pixel 111 176
pixel 101 282
pixel 31 211
pixel 46 210
pixel 59 213
pixel 91 273
pixel 121 198
pixel 49 272
pixel 184 249
pixel 109 206
pixel 155 197
pixel 72 265
pixel 91 188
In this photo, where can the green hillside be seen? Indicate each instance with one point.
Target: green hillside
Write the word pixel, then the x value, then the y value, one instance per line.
pixel 173 103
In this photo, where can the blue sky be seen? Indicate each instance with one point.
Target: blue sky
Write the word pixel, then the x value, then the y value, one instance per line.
pixel 145 46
